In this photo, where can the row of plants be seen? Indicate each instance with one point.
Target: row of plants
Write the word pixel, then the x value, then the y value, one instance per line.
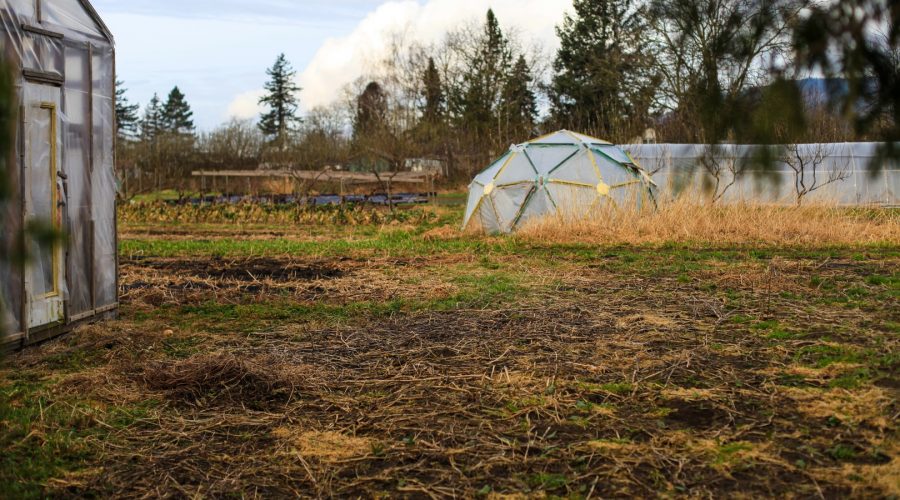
pixel 260 213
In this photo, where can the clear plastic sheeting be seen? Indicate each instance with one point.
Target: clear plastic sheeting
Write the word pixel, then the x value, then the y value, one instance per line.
pixel 78 152
pixel 551 155
pixel 866 177
pixel 516 170
pixel 41 167
pixel 103 180
pixel 72 15
pixel 564 174
pixel 579 170
pixel 65 167
pixel 22 8
pixel 104 214
pixel 43 54
pixel 44 202
pixel 10 276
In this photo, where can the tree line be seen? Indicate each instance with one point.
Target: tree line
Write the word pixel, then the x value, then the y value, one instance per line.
pixel 707 71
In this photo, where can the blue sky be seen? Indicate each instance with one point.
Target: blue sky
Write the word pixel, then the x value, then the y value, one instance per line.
pixel 217 51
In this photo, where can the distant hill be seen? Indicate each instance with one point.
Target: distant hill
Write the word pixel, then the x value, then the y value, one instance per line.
pixel 820 91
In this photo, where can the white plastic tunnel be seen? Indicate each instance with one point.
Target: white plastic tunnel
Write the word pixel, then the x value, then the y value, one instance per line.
pixel 563 173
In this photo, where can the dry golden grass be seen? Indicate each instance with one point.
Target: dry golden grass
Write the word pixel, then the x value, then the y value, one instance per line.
pixel 688 220
pixel 885 476
pixel 327 446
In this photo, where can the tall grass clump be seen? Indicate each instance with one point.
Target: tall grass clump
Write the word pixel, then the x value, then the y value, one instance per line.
pixel 690 220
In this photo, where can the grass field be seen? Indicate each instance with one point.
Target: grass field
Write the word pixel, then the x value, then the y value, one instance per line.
pixel 367 355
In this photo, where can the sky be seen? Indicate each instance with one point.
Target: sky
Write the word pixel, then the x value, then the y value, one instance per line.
pixel 217 51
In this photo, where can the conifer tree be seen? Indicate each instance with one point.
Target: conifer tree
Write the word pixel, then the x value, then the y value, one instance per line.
pixel 604 75
pixel 519 101
pixel 434 104
pixel 371 112
pixel 281 99
pixel 177 115
pixel 152 124
pixel 127 119
pixel 153 129
pixel 485 77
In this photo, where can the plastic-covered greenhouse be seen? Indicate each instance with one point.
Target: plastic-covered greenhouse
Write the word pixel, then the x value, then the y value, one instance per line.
pixel 62 169
pixel 564 173
pixel 868 176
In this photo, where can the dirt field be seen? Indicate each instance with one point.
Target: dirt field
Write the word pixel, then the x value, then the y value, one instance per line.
pixel 403 359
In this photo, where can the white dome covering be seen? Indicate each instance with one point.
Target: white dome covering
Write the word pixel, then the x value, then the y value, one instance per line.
pixel 561 173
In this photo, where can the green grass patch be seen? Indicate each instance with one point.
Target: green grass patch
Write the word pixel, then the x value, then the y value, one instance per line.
pixel 842 452
pixel 740 319
pixel 618 388
pixel 792 380
pixel 182 347
pixel 396 243
pixel 773 330
pixel 823 356
pixel 547 481
pixel 44 437
pixel 730 453
pixel 72 360
pixel 475 291
pixel 852 380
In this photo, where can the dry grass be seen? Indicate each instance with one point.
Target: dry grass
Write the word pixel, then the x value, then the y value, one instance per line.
pixel 687 220
pixel 327 446
pixel 219 377
pixel 618 385
pixel 477 367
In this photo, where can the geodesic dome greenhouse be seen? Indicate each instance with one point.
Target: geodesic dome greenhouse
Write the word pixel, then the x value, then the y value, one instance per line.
pixel 563 173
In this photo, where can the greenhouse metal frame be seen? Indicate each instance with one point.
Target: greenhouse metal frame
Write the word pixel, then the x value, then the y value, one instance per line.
pixel 564 174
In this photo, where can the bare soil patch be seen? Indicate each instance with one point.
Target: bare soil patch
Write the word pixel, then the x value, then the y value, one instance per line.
pixel 279 270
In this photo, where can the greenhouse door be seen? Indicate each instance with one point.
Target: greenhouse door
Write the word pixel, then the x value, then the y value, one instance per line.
pixel 44 277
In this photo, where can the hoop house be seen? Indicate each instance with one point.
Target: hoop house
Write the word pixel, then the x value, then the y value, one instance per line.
pixel 61 171
pixel 563 173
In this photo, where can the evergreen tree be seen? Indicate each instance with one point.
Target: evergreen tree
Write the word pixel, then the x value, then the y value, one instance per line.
pixel 371 112
pixel 484 78
pixel 519 101
pixel 433 92
pixel 281 99
pixel 375 144
pixel 153 129
pixel 604 76
pixel 152 124
pixel 127 119
pixel 177 115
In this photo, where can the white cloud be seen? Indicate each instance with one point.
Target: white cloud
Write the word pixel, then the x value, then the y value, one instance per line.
pixel 342 60
pixel 246 105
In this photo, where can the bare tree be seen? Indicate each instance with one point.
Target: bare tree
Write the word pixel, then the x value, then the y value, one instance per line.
pixel 322 141
pixel 723 168
pixel 711 52
pixel 805 163
pixel 235 145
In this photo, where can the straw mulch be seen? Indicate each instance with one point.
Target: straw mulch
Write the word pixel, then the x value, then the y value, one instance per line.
pixel 606 385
